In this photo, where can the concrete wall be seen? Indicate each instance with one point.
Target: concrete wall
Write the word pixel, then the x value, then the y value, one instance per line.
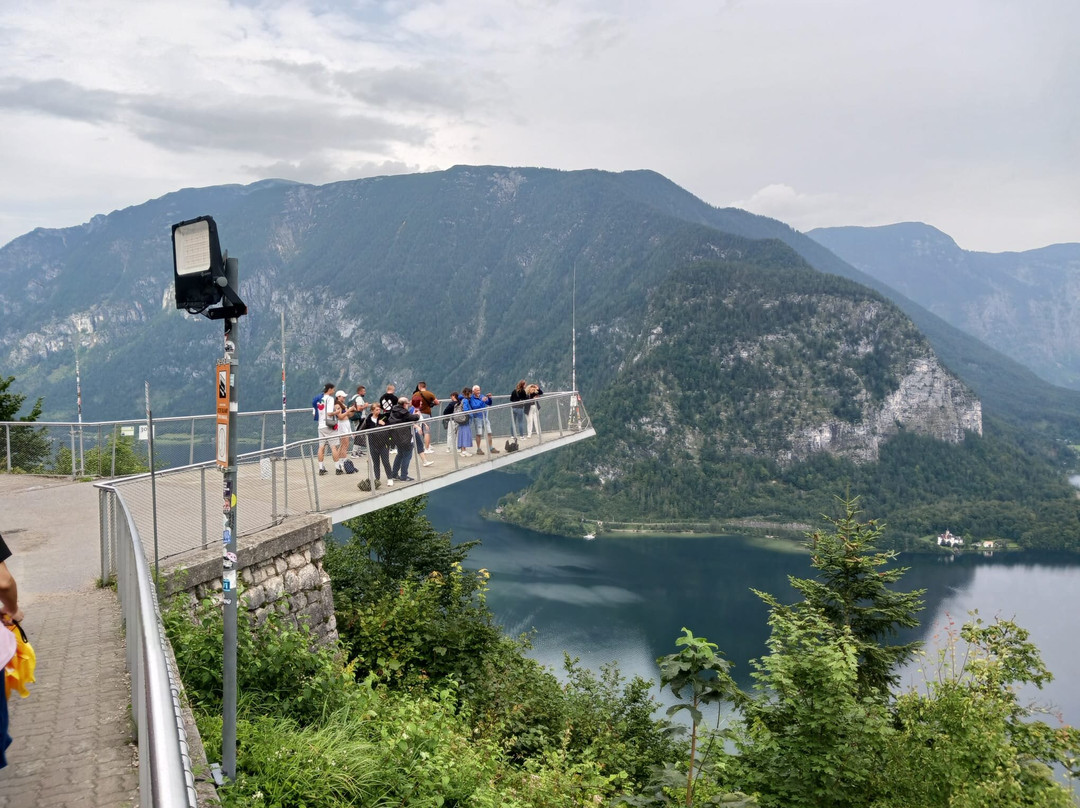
pixel 280 568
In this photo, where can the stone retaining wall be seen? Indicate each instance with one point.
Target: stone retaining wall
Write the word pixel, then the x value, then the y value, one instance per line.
pixel 280 568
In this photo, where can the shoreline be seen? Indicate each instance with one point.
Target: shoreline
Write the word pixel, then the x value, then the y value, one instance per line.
pixel 788 538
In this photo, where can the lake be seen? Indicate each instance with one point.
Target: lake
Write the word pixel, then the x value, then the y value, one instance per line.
pixel 627 599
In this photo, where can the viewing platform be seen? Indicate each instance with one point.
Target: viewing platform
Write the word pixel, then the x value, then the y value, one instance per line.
pixel 275 484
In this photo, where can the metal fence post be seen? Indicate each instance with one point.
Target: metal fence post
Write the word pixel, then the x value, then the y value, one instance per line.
pixel 273 489
pixel 7 438
pixel 103 531
pixel 191 445
pixel 202 492
pixel 73 459
pixel 115 440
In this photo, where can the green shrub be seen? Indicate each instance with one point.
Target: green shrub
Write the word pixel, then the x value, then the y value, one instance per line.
pixel 278 669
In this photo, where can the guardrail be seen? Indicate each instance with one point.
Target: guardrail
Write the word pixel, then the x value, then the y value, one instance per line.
pixel 165 773
pixel 117 448
pixel 278 482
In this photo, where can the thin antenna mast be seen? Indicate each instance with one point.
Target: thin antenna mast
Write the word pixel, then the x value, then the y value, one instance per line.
pixel 573 333
pixel 78 405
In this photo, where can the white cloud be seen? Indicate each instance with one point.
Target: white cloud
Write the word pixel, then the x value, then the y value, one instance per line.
pixel 828 113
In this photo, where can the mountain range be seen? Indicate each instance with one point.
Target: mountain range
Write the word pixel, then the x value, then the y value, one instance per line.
pixel 1020 303
pixel 734 367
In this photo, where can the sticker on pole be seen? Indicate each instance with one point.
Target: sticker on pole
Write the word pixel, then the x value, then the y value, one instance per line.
pixel 223 445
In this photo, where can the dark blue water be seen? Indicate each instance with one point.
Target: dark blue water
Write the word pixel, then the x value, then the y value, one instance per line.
pixel 627 599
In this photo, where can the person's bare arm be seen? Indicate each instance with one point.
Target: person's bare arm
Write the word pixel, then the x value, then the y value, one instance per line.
pixel 9 594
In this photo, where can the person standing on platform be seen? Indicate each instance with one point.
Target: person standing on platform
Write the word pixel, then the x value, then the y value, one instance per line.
pixel 327 431
pixel 464 431
pixel 480 423
pixel 358 406
pixel 517 408
pixel 10 613
pixel 532 410
pixel 448 422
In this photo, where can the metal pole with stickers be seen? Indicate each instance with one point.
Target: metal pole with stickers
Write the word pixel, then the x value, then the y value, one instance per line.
pixel 204 277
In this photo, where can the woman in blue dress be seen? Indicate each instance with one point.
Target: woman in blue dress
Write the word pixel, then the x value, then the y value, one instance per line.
pixel 464 433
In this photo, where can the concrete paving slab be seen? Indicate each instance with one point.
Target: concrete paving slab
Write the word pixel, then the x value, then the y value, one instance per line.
pixel 73 735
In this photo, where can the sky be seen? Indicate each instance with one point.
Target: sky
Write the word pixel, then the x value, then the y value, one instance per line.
pixel 964 114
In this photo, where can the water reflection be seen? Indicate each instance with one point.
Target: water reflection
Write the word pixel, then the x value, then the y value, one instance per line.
pixel 627 599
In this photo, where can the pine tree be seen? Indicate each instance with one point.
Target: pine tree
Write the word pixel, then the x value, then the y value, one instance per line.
pixel 852 590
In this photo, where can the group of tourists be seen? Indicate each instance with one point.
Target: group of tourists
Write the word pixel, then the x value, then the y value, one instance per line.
pixel 342 417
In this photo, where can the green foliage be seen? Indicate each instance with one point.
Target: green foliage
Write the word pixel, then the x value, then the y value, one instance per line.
pixel 281 763
pixel 278 670
pixel 413 617
pixel 29 445
pixel 406 608
pixel 11 403
pixel 700 669
pixel 388 547
pixel 968 736
pixel 118 457
pixel 853 591
pixel 810 739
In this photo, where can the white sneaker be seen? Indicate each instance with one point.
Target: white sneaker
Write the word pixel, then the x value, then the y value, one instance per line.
pixel 466 454
pixel 429 450
pixel 448 451
pixel 429 462
pixel 389 480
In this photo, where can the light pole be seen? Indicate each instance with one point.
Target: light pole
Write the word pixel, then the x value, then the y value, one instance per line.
pixel 203 276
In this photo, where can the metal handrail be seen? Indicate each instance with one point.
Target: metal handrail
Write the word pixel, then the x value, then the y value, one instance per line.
pixel 165 772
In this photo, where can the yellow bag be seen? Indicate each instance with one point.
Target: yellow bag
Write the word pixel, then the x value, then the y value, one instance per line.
pixel 19 671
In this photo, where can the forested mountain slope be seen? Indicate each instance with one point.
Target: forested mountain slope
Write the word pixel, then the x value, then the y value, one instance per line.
pixel 1018 302
pixel 714 356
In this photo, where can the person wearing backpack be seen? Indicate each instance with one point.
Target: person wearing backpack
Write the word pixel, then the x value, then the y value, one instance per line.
pixel 358 406
pixel 327 425
pixel 402 438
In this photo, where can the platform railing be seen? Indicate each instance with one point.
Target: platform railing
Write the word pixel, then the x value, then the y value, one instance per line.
pixel 279 482
pixel 165 772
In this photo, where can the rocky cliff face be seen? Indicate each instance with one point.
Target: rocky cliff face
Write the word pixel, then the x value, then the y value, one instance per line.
pixel 1020 303
pixel 929 401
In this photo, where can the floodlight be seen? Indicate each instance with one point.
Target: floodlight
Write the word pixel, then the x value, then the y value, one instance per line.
pixel 197 264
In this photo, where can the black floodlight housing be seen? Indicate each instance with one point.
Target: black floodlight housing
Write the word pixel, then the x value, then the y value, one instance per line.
pixel 197 264
pixel 201 273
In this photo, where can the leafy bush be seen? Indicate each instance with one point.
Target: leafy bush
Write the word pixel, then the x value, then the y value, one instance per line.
pixel 278 670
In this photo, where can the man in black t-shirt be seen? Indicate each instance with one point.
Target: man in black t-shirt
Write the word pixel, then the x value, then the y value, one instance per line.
pixel 10 611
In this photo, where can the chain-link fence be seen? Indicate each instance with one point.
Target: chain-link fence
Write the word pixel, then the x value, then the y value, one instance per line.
pixel 275 483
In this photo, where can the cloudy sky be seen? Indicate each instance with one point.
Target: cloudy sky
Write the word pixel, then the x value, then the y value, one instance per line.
pixel 964 114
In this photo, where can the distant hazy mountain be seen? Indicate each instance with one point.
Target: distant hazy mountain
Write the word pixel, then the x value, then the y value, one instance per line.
pixel 1023 304
pixel 730 371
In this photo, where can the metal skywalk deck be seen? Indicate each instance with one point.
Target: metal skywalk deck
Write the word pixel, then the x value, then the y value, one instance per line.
pixel 277 483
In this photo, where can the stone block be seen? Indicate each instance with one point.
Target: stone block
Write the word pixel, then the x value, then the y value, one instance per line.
pixel 292 582
pixel 280 565
pixel 254 597
pixel 317 550
pixel 310 578
pixel 296 561
pixel 275 588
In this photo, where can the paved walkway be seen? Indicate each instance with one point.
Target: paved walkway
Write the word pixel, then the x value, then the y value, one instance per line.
pixel 72 736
